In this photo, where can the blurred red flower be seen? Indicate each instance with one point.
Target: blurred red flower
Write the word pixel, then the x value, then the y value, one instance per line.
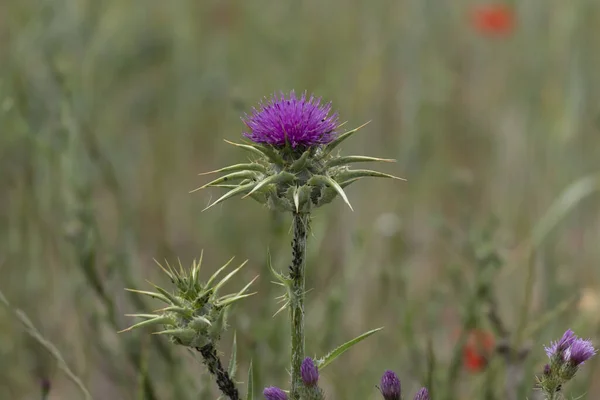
pixel 493 19
pixel 478 349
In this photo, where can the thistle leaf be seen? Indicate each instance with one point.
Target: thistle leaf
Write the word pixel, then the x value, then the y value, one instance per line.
pixel 278 178
pixel 231 193
pixel 176 309
pixel 280 277
pixel 149 316
pixel 352 159
pixel 232 368
pixel 348 182
pixel 239 167
pixel 325 361
pixel 247 147
pixel 262 151
pixel 229 177
pixel 316 179
pixel 361 173
pixel 250 388
pixel 172 299
pixel 332 145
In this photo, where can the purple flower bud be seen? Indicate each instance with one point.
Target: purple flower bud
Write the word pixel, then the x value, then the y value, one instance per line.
pixel 309 372
pixel 560 346
pixel 580 351
pixel 422 394
pixel 390 386
pixel 297 121
pixel 274 393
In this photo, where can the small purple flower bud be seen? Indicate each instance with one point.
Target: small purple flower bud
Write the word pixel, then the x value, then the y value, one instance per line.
pixel 547 370
pixel 422 394
pixel 390 386
pixel 580 351
pixel 309 372
pixel 274 393
pixel 560 346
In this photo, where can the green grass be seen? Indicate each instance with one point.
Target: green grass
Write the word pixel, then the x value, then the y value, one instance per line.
pixel 110 108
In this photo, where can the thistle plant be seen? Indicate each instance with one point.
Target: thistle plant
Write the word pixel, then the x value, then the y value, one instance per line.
pixel 294 169
pixel 566 355
pixel 195 315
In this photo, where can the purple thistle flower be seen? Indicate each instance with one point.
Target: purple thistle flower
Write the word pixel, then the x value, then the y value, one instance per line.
pixel 560 346
pixel 274 393
pixel 390 386
pixel 547 370
pixel 309 372
pixel 580 351
pixel 422 394
pixel 297 121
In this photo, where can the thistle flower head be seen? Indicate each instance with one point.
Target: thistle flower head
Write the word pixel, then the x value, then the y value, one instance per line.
pixel 293 121
pixel 274 393
pixel 580 351
pixel 294 168
pixel 422 394
pixel 390 386
pixel 309 372
pixel 195 314
pixel 566 356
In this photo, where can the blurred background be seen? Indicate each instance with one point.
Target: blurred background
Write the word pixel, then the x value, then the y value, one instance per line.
pixel 109 109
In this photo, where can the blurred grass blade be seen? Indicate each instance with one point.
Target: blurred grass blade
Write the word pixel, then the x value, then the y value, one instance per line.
pixel 564 204
pixel 325 361
pixel 250 384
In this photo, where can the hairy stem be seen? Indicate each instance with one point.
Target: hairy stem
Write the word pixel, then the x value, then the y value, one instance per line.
pixel 297 270
pixel 213 362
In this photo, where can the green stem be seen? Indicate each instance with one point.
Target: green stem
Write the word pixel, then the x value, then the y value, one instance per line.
pixel 297 269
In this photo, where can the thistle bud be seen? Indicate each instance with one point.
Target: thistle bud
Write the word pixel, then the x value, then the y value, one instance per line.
pixel 309 372
pixel 422 394
pixel 390 386
pixel 195 315
pixel 274 393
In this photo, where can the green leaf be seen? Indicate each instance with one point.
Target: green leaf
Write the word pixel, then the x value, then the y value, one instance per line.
pixel 351 159
pixel 325 361
pixel 300 163
pixel 316 179
pixel 232 368
pixel 250 389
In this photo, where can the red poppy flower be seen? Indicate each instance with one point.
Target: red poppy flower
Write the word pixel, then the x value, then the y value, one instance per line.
pixel 477 350
pixel 493 19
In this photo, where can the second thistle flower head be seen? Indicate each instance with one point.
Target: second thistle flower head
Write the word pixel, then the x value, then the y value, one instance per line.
pixel 195 313
pixel 274 393
pixel 294 168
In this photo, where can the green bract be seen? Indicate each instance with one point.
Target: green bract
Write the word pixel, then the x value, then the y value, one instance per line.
pixel 293 179
pixel 195 314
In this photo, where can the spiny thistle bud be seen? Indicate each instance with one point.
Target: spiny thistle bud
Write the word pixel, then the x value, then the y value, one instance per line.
pixel 195 314
pixel 390 386
pixel 309 372
pixel 274 393
pixel 294 168
pixel 422 394
pixel 566 355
